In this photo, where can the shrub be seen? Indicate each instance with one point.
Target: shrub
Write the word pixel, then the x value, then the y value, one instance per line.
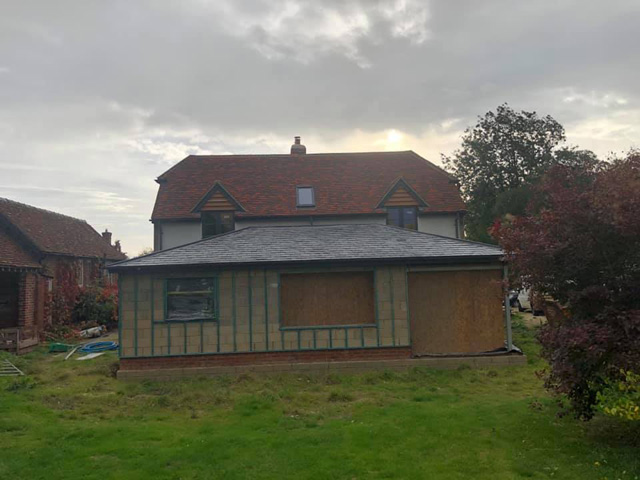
pixel 621 398
pixel 96 306
pixel 580 244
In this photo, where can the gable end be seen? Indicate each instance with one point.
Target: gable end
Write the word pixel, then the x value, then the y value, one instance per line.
pixel 217 199
pixel 401 195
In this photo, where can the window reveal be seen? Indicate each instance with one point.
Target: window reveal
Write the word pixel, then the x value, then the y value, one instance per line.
pixel 403 217
pixel 215 223
pixel 191 299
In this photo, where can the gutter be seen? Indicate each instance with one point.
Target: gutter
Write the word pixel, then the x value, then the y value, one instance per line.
pixel 411 261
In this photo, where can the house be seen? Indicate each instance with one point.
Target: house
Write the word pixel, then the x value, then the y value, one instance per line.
pixel 206 195
pixel 38 249
pixel 328 298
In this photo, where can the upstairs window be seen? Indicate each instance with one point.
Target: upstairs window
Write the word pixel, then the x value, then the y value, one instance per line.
pixel 215 223
pixel 190 299
pixel 305 197
pixel 403 217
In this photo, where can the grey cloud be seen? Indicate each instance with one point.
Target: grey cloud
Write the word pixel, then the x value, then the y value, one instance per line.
pixel 107 95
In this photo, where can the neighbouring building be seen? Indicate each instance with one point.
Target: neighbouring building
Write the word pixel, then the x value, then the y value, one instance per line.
pixel 206 195
pixel 37 249
pixel 329 298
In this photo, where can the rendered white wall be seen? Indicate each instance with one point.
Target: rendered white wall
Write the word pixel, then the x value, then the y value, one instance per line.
pixel 265 222
pixel 179 233
pixel 444 225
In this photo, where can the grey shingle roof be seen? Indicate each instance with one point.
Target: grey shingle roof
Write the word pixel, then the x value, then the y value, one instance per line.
pixel 313 244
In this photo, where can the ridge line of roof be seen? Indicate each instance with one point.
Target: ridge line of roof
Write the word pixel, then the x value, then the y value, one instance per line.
pixel 37 245
pixel 8 200
pixel 283 155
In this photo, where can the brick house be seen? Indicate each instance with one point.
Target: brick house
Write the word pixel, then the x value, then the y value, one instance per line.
pixel 324 261
pixel 37 246
pixel 206 195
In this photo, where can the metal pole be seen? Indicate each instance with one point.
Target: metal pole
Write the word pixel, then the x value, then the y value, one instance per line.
pixel 507 309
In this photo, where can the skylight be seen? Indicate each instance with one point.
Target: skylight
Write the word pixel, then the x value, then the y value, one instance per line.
pixel 305 197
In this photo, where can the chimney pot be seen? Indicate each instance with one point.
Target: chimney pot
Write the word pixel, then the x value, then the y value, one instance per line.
pixel 297 148
pixel 107 236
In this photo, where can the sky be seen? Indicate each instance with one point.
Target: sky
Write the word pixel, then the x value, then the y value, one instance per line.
pixel 98 98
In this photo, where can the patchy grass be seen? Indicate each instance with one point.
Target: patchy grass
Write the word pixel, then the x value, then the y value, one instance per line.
pixel 74 420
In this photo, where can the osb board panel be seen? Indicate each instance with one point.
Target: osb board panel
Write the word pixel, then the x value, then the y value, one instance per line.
pixel 313 299
pixel 456 312
pixel 400 198
pixel 218 202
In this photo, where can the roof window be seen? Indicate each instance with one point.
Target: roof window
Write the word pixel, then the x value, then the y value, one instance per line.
pixel 305 197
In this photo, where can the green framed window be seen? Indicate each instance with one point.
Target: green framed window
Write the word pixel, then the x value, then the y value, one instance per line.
pixel 403 217
pixel 215 223
pixel 191 299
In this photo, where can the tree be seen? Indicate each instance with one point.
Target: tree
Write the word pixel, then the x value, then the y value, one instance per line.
pixel 580 244
pixel 501 158
pixel 145 251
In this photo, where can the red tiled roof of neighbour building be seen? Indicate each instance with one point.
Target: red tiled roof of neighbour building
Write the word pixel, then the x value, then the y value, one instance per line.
pixel 54 233
pixel 265 185
pixel 12 254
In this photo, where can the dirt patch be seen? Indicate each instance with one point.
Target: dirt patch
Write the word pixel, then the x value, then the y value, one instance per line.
pixel 530 321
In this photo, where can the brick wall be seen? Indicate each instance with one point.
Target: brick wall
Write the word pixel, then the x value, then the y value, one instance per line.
pixel 27 297
pixel 249 306
pixel 235 359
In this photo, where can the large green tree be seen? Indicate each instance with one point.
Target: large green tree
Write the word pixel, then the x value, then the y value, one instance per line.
pixel 501 158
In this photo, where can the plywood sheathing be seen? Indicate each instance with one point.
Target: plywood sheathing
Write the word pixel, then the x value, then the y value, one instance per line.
pixel 456 311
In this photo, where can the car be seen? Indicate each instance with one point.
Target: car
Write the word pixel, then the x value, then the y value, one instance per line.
pixel 526 301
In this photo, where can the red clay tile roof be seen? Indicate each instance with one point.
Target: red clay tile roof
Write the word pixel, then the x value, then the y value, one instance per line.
pixel 12 254
pixel 265 185
pixel 52 232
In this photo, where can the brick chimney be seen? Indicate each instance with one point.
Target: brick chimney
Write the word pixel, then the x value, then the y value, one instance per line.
pixel 117 246
pixel 107 236
pixel 297 148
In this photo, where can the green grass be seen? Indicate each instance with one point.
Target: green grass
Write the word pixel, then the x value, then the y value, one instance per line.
pixel 72 420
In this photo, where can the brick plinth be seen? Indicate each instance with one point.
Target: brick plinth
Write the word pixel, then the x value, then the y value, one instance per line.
pixel 261 358
pixel 173 371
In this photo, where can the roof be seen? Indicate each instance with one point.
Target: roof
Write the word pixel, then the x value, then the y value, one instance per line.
pixel 265 185
pixel 313 244
pixel 54 233
pixel 14 255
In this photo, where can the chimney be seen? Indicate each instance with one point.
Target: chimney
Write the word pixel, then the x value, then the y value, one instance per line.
pixel 107 236
pixel 117 246
pixel 297 148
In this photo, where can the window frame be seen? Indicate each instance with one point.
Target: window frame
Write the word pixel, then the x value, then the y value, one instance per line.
pixel 401 209
pixel 313 196
pixel 214 297
pixel 217 214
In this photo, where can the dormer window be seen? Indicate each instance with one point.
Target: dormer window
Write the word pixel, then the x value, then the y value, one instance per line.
pixel 403 217
pixel 215 223
pixel 305 197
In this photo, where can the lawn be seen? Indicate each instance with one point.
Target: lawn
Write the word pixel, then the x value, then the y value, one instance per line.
pixel 73 420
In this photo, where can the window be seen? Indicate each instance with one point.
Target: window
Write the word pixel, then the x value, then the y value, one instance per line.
pixel 190 299
pixel 305 197
pixel 404 217
pixel 215 223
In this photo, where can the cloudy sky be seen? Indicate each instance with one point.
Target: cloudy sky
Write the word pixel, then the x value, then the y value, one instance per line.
pixel 98 98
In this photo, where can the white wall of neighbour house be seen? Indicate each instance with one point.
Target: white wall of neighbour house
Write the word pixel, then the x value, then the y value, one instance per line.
pixel 179 233
pixel 444 225
pixel 323 220
pixel 175 234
